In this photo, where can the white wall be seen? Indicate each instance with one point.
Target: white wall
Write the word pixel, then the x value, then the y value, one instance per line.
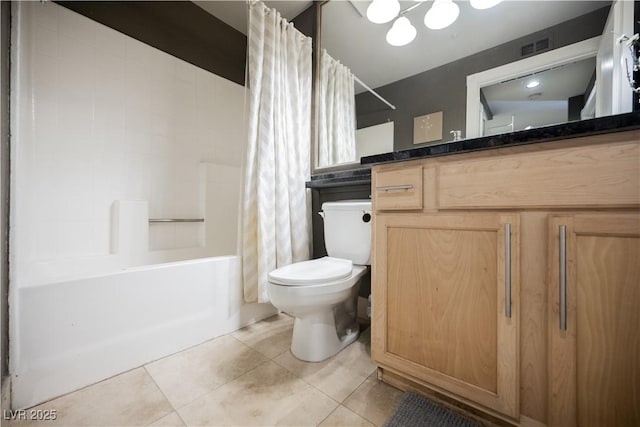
pixel 102 117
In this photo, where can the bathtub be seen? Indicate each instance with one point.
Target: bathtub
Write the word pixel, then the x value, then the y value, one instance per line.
pixel 70 333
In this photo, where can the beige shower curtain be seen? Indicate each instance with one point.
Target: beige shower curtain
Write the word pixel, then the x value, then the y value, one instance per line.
pixel 276 208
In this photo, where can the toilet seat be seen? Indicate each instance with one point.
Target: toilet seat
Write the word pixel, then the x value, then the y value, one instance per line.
pixel 313 272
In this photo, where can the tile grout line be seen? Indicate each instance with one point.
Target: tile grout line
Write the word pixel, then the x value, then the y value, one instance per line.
pixel 328 415
pixel 340 403
pixel 237 340
pixel 163 395
pixel 350 394
pixel 211 391
pixel 266 359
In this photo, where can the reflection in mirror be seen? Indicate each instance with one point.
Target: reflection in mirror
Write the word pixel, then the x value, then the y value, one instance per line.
pixel 336 113
pixel 374 140
pixel 429 74
pixel 552 96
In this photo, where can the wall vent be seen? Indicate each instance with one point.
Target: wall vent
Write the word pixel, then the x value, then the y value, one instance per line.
pixel 542 44
pixel 534 47
pixel 527 49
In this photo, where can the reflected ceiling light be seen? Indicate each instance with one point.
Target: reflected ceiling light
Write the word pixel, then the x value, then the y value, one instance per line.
pixel 401 33
pixel 484 4
pixel 383 11
pixel 532 84
pixel 442 14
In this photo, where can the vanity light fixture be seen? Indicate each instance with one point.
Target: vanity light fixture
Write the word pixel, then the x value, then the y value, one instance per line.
pixel 532 84
pixel 484 4
pixel 383 11
pixel 442 14
pixel 401 33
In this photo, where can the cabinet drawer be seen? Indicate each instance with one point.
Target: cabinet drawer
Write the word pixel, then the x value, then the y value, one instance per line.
pixel 399 189
pixel 585 176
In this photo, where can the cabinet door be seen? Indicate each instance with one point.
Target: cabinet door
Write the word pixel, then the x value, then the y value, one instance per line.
pixel 594 320
pixel 445 303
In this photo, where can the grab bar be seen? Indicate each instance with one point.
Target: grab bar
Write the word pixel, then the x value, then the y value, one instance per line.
pixel 176 220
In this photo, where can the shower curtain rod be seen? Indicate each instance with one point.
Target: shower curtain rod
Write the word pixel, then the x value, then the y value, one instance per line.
pixel 393 107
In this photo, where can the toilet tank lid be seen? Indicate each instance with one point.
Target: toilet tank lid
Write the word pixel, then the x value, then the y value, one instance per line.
pixel 347 205
pixel 321 270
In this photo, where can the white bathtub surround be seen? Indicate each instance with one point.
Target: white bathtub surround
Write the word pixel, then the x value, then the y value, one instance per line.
pixel 223 191
pixel 108 132
pixel 100 117
pixel 276 209
pixel 129 227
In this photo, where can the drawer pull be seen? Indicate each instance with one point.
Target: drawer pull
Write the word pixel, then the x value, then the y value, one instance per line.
pixel 563 277
pixel 395 187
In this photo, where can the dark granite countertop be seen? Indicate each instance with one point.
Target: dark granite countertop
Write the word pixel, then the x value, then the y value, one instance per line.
pixel 600 125
pixel 342 178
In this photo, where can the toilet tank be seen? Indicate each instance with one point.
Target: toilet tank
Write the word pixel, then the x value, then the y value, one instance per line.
pixel 347 230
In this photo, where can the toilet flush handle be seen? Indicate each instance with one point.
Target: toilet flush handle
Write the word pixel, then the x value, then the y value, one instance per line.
pixel 321 213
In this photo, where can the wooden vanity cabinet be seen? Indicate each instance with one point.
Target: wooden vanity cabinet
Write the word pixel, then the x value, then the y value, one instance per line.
pixel 439 273
pixel 447 294
pixel 594 321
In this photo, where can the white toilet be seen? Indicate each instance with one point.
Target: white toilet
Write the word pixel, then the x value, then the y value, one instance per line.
pixel 322 293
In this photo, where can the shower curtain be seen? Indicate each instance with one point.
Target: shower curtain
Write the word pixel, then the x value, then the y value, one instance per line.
pixel 336 113
pixel 276 207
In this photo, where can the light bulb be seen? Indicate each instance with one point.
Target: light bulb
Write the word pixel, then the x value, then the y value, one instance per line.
pixel 383 11
pixel 401 33
pixel 442 14
pixel 533 83
pixel 484 4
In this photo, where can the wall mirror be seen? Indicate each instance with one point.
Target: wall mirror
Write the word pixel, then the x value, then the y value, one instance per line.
pixel 429 74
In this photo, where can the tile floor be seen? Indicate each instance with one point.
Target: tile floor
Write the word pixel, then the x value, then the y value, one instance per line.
pixel 247 378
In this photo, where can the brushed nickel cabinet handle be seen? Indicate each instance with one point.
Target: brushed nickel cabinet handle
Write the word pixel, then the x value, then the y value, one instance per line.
pixel 507 270
pixel 176 219
pixel 563 277
pixel 395 187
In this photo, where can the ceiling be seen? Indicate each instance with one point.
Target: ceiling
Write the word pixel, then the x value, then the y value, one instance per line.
pixel 234 13
pixel 350 37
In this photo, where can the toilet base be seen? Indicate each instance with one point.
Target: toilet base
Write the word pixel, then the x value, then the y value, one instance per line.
pixel 322 332
pixel 325 315
pixel 315 337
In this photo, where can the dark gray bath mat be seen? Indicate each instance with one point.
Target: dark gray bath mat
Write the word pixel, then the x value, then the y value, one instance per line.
pixel 416 411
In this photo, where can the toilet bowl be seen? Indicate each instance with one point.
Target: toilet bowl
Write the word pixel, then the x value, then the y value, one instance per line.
pixel 322 293
pixel 325 309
